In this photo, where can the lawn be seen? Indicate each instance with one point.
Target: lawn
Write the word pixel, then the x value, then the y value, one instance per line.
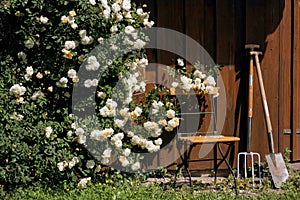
pixel 136 189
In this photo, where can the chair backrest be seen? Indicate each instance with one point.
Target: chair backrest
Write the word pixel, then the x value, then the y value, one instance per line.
pixel 204 119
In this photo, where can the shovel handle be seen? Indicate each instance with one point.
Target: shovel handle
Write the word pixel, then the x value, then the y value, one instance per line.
pixel 265 104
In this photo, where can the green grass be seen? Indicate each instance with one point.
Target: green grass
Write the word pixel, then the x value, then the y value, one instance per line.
pixel 139 191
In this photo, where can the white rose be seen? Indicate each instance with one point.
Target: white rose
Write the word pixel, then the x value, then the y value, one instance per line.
pixel 90 164
pixel 79 131
pixel 48 131
pixel 72 73
pixel 126 5
pixel 93 2
pixel 82 183
pixel 98 168
pixel 70 45
pixel 88 83
pixel 139 11
pixel 95 82
pixel 106 13
pixel 29 44
pixel 139 44
pixel 174 84
pixel 29 70
pixel 129 29
pixel 74 25
pixel 101 94
pixel 22 55
pixel 44 20
pixel 199 74
pixel 17 90
pixel 81 139
pixel 127 152
pixel 124 161
pixel 158 141
pixel 136 166
pixel 210 81
pixel 171 113
pixel 180 62
pixel 114 29
pixel 115 7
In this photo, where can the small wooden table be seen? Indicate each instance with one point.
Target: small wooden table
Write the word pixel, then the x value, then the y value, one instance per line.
pixel 192 141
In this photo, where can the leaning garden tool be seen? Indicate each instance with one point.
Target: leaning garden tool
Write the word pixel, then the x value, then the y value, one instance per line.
pixel 249 128
pixel 275 160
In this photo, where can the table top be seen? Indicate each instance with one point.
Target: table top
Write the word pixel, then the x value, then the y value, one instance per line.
pixel 210 139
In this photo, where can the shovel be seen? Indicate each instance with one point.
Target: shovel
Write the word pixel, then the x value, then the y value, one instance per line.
pixel 275 161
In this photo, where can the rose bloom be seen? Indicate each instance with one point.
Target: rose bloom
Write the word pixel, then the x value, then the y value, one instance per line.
pixel 29 70
pixel 48 131
pixel 173 122
pixel 139 11
pixel 114 29
pixel 44 20
pixel 17 89
pixel 71 73
pixel 29 44
pixel 126 5
pixel 129 29
pixel 124 161
pixel 64 19
pixel 139 44
pixel 72 13
pixel 127 152
pixel 67 54
pixel 170 113
pixel 93 2
pixel 82 33
pixel 95 134
pixel 61 165
pixel 75 79
pixel 70 45
pixel 90 164
pixel 82 183
pixel 136 166
pixel 98 168
pixel 210 81
pixel 81 139
pixel 50 89
pixel 88 83
pixel 180 62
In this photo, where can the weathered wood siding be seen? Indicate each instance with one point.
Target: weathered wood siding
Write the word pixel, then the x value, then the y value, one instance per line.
pixel 223 28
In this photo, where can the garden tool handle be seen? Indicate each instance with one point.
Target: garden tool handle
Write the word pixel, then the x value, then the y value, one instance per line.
pixel 264 99
pixel 250 104
pixel 251 47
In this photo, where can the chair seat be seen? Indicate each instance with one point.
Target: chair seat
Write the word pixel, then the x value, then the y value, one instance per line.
pixel 209 139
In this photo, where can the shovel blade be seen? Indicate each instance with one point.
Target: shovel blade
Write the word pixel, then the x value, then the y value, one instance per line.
pixel 277 168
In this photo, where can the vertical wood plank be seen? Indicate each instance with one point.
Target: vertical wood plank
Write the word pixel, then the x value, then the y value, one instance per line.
pixel 255 34
pixel 284 120
pixel 270 64
pixel 296 81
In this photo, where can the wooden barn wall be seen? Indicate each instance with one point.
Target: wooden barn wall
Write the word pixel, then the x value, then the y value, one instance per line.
pixel 223 28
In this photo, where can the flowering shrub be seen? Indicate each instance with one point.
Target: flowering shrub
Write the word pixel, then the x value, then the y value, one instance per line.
pixel 55 47
pixel 45 44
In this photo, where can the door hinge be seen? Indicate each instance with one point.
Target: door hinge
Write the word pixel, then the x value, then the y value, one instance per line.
pixel 287 131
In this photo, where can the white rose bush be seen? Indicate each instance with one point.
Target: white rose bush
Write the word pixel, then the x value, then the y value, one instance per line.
pixel 53 136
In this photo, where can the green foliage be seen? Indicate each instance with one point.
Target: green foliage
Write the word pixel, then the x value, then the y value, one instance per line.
pixel 37 134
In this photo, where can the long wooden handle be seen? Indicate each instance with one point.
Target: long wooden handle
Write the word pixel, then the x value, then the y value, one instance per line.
pixel 250 105
pixel 265 104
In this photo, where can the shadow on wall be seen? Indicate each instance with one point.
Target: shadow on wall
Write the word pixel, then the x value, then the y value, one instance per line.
pixel 261 26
